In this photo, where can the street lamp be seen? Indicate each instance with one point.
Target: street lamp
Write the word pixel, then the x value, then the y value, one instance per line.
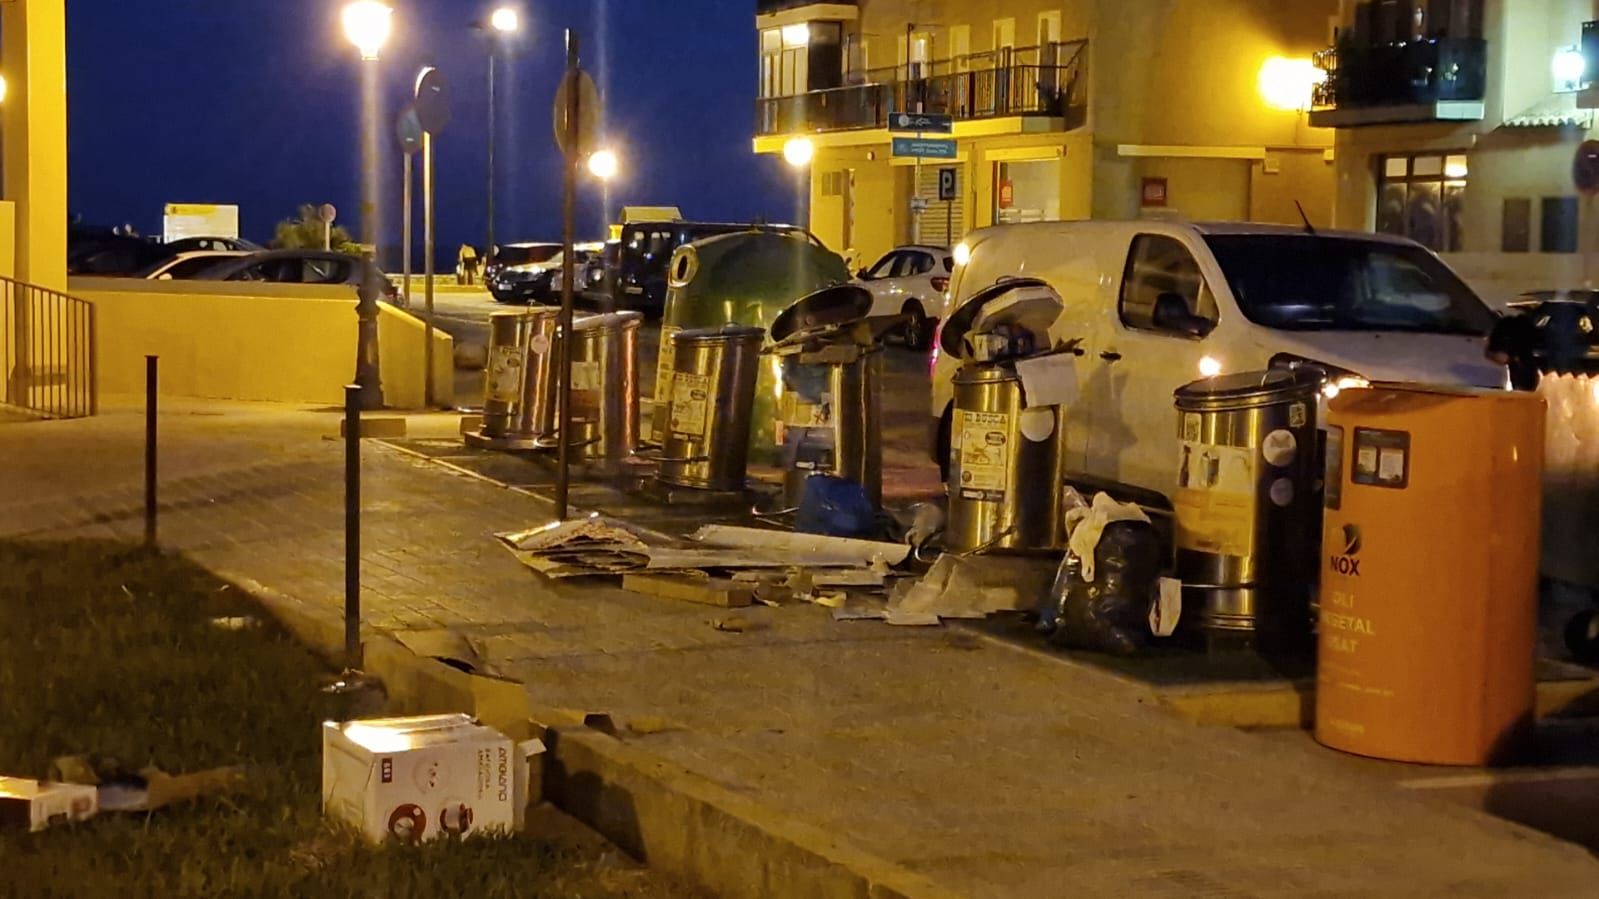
pixel 603 164
pixel 799 151
pixel 367 23
pixel 502 24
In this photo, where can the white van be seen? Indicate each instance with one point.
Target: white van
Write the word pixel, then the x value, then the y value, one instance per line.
pixel 1158 304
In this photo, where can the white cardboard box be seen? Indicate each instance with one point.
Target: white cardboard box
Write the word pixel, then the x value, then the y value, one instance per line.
pixel 415 779
pixel 39 804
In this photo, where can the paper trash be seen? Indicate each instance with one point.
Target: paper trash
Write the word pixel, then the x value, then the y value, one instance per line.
pixel 36 805
pixel 416 779
pixel 1049 380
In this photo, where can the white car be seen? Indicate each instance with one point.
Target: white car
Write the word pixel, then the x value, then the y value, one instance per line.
pixel 186 265
pixel 1157 305
pixel 910 281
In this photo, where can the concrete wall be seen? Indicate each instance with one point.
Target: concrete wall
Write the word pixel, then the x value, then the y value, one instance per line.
pixel 288 343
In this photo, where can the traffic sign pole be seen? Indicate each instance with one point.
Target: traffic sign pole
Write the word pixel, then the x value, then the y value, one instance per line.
pixel 573 100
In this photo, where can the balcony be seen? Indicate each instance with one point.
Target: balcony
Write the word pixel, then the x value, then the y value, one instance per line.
pixel 1437 80
pixel 1025 81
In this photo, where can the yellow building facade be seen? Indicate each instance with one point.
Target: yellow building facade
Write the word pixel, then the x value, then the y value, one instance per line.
pixel 1061 110
pixel 1459 123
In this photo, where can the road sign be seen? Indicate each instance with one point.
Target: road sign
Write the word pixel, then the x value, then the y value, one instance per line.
pixel 924 148
pixel 588 113
pixel 432 101
pixel 921 123
pixel 408 130
pixel 946 184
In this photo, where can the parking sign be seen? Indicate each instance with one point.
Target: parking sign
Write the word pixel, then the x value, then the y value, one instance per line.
pixel 946 184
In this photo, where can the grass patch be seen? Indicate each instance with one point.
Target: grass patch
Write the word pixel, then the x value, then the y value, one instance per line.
pixel 108 649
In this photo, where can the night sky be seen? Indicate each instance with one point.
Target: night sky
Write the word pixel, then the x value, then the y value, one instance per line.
pixel 256 102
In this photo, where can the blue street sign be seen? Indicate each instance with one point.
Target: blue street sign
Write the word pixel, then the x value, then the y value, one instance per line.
pixel 924 148
pixel 921 123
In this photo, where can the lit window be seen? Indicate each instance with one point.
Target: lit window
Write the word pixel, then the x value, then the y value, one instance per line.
pixel 1421 197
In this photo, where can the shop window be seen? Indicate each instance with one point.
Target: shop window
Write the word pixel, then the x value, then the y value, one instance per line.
pixel 1515 232
pixel 1159 265
pixel 1027 191
pixel 1558 233
pixel 1421 197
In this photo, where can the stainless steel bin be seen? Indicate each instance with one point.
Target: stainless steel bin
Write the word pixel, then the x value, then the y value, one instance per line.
pixel 1006 466
pixel 706 444
pixel 506 371
pixel 1248 503
pixel 605 397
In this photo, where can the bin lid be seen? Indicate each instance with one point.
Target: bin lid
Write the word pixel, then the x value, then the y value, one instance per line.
pixel 1245 386
pixel 1027 294
pixel 823 310
pixel 608 320
pixel 723 334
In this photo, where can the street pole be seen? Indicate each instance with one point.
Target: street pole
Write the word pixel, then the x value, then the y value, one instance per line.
pixel 151 398
pixel 405 229
pixel 370 126
pixel 327 235
pixel 573 99
pixel 427 264
pixel 488 247
pixel 352 527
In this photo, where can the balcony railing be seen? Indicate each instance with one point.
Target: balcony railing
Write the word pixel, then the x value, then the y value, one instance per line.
pixel 1048 81
pixel 1417 80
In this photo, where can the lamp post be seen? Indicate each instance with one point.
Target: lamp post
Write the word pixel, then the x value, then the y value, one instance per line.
pixel 502 23
pixel 368 24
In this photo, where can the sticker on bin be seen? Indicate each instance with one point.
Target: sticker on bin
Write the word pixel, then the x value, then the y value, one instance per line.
pixel 505 374
pixel 1215 502
pixel 983 457
pixel 691 395
pixel 1382 458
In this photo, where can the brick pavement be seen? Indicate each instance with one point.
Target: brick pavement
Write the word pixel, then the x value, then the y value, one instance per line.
pixel 992 771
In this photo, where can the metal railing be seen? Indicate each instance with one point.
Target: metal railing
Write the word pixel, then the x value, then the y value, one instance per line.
pixel 1414 72
pixel 1023 81
pixel 47 352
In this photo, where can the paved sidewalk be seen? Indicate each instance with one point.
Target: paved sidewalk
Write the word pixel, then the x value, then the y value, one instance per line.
pixel 990 770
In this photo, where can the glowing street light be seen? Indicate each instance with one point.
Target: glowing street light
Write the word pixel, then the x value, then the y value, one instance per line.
pixel 799 151
pixel 368 25
pixel 1289 84
pixel 2 88
pixel 603 164
pixel 506 20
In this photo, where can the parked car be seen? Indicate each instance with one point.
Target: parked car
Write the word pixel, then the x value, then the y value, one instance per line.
pixel 304 267
pixel 187 265
pixel 108 254
pixel 646 251
pixel 538 278
pixel 599 273
pixel 910 281
pixel 217 244
pixel 1156 305
pixel 1548 331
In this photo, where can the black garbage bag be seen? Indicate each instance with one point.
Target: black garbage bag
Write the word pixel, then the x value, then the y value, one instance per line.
pixel 1110 613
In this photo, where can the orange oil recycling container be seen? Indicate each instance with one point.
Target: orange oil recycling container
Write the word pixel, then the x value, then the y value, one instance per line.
pixel 1427 618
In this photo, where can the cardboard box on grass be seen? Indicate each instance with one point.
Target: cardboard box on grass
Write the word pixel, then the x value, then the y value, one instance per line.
pixel 419 778
pixel 35 804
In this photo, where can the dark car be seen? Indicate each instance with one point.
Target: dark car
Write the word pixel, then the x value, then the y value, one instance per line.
pixel 598 275
pixel 305 267
pixel 1549 332
pixel 647 248
pixel 213 244
pixel 94 253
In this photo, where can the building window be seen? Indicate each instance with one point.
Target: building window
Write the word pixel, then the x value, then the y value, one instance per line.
pixel 1515 232
pixel 1421 197
pixel 785 54
pixel 1558 233
pixel 1027 191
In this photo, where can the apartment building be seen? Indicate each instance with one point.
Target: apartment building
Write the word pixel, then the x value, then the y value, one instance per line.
pixel 1466 124
pixel 1061 109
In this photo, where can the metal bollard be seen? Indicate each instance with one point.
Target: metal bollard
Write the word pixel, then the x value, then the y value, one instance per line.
pixel 150 410
pixel 352 527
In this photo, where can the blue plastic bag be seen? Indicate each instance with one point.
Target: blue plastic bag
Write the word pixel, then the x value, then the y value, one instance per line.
pixel 835 507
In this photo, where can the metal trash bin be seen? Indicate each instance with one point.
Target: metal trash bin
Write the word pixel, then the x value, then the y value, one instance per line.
pixel 830 403
pixel 1006 465
pixel 535 418
pixel 706 444
pixel 1247 507
pixel 605 397
pixel 505 374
